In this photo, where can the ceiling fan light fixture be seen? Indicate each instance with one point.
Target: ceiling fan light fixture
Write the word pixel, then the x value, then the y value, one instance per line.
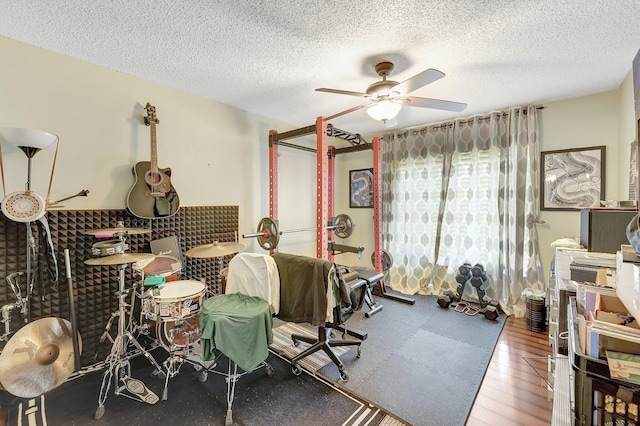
pixel 384 110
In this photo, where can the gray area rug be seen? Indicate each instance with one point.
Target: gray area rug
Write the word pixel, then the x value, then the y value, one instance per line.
pixel 422 363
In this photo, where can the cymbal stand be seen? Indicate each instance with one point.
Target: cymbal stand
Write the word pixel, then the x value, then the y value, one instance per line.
pixel 117 362
pixel 21 303
pixel 218 276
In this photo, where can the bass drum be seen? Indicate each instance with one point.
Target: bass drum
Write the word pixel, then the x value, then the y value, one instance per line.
pixel 183 335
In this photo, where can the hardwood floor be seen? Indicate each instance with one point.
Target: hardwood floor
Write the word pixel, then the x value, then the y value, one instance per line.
pixel 512 391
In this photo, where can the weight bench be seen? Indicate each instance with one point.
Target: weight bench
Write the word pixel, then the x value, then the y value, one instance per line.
pixel 371 278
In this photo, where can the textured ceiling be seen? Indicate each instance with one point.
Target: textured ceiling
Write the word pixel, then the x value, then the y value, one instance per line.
pixel 267 57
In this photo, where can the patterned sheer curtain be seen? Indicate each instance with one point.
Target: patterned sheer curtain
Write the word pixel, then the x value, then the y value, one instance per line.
pixel 464 191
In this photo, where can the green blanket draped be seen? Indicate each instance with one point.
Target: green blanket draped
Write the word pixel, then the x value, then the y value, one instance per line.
pixel 237 325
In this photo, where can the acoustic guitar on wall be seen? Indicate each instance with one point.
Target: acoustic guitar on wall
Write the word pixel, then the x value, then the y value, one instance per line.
pixel 152 194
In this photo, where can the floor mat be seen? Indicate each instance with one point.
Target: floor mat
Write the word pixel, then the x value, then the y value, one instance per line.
pixel 260 399
pixel 421 362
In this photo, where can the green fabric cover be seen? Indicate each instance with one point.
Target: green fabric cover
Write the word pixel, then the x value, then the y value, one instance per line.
pixel 237 325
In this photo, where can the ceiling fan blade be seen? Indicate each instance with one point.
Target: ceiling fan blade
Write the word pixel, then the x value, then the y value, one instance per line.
pixel 342 92
pixel 417 81
pixel 415 101
pixel 346 111
pixel 390 123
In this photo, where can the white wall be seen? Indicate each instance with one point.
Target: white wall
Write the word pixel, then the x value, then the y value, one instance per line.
pixel 362 217
pixel 627 126
pixel 582 122
pixel 218 154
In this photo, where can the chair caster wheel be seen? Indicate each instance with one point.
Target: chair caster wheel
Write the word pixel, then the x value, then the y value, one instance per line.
pixel 269 370
pixel 344 376
pixel 296 370
pixel 359 352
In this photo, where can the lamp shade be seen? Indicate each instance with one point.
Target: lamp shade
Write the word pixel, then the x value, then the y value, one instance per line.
pixel 28 140
pixel 384 110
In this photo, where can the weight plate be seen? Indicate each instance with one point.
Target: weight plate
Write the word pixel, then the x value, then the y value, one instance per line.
pixel 387 260
pixel 270 235
pixel 344 226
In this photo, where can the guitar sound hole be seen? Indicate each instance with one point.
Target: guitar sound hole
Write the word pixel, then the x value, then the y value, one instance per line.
pixel 153 178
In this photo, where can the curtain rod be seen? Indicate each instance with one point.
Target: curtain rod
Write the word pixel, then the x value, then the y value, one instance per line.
pixel 503 113
pixel 463 121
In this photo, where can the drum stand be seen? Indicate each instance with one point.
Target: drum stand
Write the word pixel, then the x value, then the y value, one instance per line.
pixel 117 362
pixel 175 360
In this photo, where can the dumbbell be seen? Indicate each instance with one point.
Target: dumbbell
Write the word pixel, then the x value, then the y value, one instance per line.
pixel 479 276
pixel 491 312
pixel 464 275
pixel 465 269
pixel 445 299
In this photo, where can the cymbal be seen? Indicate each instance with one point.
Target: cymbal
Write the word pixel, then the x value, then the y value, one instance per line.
pixel 214 250
pixel 119 259
pixel 118 230
pixel 38 358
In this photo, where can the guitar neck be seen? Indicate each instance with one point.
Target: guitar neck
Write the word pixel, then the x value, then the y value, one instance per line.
pixel 154 150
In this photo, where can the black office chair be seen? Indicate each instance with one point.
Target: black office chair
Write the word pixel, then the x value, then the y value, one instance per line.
pixel 305 279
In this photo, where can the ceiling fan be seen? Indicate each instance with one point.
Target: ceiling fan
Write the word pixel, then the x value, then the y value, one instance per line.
pixel 387 96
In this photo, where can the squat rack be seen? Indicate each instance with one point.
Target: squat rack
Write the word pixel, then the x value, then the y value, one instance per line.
pixel 325 187
pixel 325 179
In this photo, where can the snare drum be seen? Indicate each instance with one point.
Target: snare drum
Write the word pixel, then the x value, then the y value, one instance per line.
pixel 173 301
pixel 164 266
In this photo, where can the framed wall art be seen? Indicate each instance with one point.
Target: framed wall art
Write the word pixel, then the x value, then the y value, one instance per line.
pixel 572 178
pixel 361 188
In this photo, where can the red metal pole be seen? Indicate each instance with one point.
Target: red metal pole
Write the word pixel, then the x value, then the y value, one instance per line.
pixel 273 179
pixel 322 191
pixel 331 157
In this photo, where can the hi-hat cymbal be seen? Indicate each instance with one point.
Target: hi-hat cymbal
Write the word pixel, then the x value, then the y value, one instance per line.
pixel 118 230
pixel 214 250
pixel 119 259
pixel 38 358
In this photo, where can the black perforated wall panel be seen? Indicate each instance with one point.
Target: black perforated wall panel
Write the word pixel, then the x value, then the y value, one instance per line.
pixel 95 287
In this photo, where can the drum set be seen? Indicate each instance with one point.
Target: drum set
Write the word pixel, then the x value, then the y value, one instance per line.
pixel 169 313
